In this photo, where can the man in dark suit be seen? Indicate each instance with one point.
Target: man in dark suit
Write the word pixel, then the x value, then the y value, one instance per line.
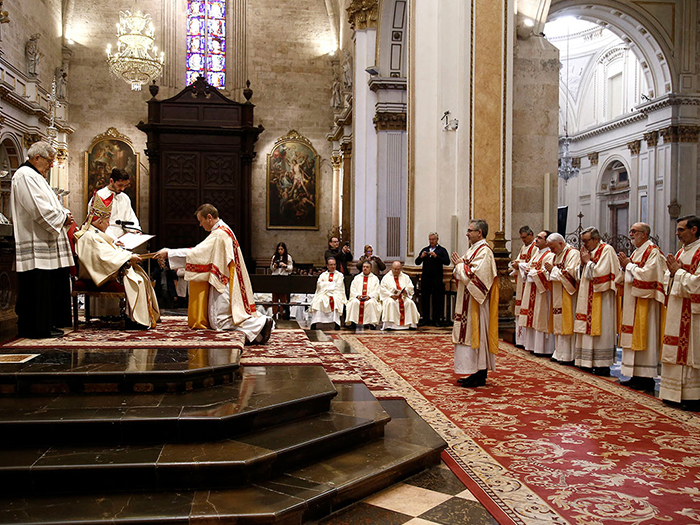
pixel 342 256
pixel 433 257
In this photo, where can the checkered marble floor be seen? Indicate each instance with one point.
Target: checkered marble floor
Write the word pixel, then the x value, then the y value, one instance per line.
pixel 432 497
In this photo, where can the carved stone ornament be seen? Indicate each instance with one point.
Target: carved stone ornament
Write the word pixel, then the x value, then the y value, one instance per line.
pixel 111 133
pixel 634 146
pixel 593 158
pixel 31 138
pixel 576 162
pixel 389 121
pixel 362 14
pixel 337 161
pixel 652 138
pixel 61 155
pixel 680 134
pixel 293 134
pixel 674 209
pixel 200 88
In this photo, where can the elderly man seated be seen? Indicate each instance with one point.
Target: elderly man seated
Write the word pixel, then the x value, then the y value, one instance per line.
pixel 329 299
pixel 102 261
pixel 364 307
pixel 399 312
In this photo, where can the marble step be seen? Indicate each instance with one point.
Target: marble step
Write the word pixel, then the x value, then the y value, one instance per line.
pixel 115 370
pixel 295 497
pixel 260 397
pixel 185 466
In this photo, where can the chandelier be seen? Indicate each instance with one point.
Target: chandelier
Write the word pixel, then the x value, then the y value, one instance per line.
pixel 567 170
pixel 135 61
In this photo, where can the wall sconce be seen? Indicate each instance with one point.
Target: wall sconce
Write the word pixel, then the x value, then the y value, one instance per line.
pixel 450 124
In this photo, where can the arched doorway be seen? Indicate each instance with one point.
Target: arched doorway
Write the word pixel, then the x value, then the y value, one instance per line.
pixel 10 160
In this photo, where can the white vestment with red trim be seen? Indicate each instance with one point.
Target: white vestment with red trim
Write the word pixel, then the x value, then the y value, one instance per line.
pixel 329 298
pixel 526 253
pixel 401 313
pixel 367 311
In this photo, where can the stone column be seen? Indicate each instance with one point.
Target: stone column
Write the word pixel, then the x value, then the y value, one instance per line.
pixel 346 218
pixel 633 177
pixel 652 139
pixel 337 163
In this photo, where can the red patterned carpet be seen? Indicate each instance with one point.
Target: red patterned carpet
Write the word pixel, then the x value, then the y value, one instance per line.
pixel 543 443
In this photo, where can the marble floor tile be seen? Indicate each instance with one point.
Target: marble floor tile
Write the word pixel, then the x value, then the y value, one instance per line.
pixel 407 499
pixel 467 494
pixel 439 480
pixel 364 514
pixel 458 511
pixel 420 521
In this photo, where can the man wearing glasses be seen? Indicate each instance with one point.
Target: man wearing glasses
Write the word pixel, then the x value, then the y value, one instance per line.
pixel 644 296
pixel 596 307
pixel 680 354
pixel 43 251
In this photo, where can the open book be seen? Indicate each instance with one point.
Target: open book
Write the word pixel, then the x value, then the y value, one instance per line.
pixel 131 241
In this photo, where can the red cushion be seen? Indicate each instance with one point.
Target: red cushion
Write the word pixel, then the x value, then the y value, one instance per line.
pixel 83 285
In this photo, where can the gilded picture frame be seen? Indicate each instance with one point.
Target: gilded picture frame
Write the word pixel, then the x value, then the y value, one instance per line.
pixel 293 169
pixel 109 150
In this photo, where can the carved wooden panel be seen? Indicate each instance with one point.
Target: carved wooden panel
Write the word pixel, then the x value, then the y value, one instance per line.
pixel 180 169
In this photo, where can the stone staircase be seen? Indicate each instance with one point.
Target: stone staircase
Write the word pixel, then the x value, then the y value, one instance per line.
pixel 259 444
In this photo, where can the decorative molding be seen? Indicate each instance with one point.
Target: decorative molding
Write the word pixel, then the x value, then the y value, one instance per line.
pixel 593 158
pixel 362 14
pixel 31 138
pixel 61 155
pixel 669 100
pixel 652 138
pixel 336 161
pixel 377 83
pixel 609 126
pixel 674 209
pixel 293 134
pixel 680 134
pixel 389 121
pixel 346 148
pixel 576 162
pixel 111 133
pixel 634 146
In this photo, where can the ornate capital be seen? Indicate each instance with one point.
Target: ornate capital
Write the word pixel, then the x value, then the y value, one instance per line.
pixel 389 121
pixel 362 14
pixel 576 162
pixel 61 155
pixel 336 161
pixel 634 146
pixel 674 209
pixel 153 154
pixel 593 158
pixel 651 138
pixel 680 133
pixel 346 148
pixel 31 138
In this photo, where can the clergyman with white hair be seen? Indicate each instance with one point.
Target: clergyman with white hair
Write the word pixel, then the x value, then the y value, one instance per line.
pixel 43 253
pixel 563 275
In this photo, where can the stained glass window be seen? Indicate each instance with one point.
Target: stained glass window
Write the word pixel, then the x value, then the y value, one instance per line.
pixel 206 41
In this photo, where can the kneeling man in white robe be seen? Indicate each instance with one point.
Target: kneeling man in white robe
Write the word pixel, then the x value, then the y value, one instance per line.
pixel 399 312
pixel 221 296
pixel 329 299
pixel 102 261
pixel 364 307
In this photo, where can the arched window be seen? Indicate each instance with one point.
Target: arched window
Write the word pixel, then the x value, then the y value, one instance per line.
pixel 206 41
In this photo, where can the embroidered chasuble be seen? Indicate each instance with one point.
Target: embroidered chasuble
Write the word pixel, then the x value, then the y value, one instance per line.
pixel 534 309
pixel 643 282
pixel 330 293
pixel 218 262
pixel 564 289
pixel 526 253
pixel 598 277
pixel 681 341
pixel 402 311
pixel 100 261
pixel 476 283
pixel 367 311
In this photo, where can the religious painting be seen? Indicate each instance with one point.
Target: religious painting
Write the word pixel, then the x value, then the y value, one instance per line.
pixel 107 151
pixel 293 168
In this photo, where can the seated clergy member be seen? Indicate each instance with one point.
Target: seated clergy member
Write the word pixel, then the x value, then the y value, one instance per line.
pixel 102 261
pixel 399 312
pixel 329 299
pixel 221 297
pixel 680 354
pixel 642 306
pixel 364 307
pixel 562 274
pixel 475 332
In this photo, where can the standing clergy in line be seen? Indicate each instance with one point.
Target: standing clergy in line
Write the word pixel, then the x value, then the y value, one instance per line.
pixel 329 298
pixel 363 307
pixel 537 297
pixel 596 307
pixel 642 307
pixel 121 204
pixel 680 355
pixel 399 312
pixel 562 273
pixel 101 260
pixel 475 331
pixel 518 266
pixel 43 253
pixel 221 297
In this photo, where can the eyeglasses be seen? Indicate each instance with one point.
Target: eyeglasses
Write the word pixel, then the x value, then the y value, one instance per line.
pixel 471 231
pixel 48 159
pixel 633 231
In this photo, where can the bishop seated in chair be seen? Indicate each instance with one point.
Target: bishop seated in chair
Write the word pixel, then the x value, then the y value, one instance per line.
pixel 101 260
pixel 221 296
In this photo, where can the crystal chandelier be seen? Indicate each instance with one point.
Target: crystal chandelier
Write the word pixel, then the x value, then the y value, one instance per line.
pixel 567 170
pixel 136 61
